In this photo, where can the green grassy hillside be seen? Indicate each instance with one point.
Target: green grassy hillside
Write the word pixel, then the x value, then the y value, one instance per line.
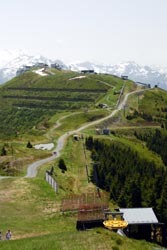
pixel 31 209
pixel 30 99
pixel 149 106
pixel 32 104
pixel 31 107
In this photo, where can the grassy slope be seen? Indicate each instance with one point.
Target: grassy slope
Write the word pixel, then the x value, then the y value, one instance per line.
pixel 90 240
pixel 36 113
pixel 30 207
pixel 18 126
pixel 150 102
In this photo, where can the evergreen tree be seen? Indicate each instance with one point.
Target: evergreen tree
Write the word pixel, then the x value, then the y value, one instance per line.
pixel 132 180
pixel 4 151
pixel 29 145
pixel 135 198
pixel 89 142
pixel 62 165
pixel 162 203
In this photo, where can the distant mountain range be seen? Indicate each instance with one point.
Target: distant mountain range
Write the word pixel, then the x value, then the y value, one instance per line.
pixel 134 71
pixel 11 61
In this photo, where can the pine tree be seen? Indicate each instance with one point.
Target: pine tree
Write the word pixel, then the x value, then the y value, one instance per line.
pixel 62 165
pixel 162 204
pixel 29 145
pixel 4 152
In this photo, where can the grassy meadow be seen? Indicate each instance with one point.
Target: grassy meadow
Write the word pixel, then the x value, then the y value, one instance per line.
pixel 30 207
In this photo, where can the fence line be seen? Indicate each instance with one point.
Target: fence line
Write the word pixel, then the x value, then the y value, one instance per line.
pixel 51 181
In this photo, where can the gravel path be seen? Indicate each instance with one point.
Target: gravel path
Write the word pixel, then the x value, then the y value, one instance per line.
pixel 32 169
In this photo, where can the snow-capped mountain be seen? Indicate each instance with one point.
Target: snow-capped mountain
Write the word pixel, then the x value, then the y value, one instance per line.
pixel 11 61
pixel 6 56
pixel 134 71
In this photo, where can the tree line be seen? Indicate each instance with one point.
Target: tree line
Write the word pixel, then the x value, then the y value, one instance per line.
pixel 156 140
pixel 131 179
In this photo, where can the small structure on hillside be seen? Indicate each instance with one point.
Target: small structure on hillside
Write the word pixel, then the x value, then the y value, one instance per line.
pixel 156 85
pixel 103 105
pixel 142 223
pixel 90 208
pixel 23 69
pixel 124 77
pixel 146 85
pixel 102 131
pixel 106 131
pixel 26 68
pixel 56 66
pixel 88 71
pixel 40 65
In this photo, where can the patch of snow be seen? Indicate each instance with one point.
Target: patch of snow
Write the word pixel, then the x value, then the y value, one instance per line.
pixel 48 146
pixel 77 77
pixel 40 72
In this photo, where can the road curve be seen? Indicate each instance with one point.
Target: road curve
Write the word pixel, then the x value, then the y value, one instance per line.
pixel 32 169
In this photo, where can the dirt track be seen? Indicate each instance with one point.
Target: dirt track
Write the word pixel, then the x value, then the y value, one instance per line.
pixel 33 168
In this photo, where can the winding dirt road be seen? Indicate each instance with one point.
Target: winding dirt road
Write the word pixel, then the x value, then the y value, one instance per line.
pixel 32 169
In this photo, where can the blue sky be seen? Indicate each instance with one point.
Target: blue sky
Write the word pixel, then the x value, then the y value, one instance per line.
pixel 108 31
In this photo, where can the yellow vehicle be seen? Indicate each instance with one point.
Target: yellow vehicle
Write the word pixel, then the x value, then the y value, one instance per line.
pixel 115 224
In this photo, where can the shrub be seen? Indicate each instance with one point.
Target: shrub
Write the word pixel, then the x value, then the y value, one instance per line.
pixel 119 242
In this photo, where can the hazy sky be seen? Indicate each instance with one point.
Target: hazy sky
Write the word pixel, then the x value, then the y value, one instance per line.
pixel 108 31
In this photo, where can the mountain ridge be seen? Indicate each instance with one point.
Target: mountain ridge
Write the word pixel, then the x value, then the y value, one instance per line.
pixel 11 61
pixel 134 71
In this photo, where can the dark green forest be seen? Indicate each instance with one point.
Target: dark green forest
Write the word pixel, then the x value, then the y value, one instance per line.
pixel 132 179
pixel 156 140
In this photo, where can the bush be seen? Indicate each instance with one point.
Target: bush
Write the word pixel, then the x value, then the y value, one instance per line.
pixel 119 242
